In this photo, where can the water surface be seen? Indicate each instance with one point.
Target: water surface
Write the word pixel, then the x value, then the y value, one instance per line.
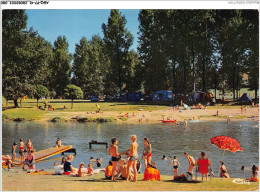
pixel 166 139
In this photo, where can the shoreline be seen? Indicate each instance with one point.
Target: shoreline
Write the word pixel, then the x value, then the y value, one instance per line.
pixel 143 116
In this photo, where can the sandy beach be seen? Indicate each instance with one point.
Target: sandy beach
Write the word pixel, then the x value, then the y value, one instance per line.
pixel 155 116
pixel 14 181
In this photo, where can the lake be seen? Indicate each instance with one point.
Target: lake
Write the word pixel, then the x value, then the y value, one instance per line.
pixel 166 139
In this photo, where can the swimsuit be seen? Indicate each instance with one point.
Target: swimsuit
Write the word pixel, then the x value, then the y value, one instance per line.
pixel 98 164
pixel 133 158
pixel 175 164
pixel 116 158
pixel 147 151
pixel 123 178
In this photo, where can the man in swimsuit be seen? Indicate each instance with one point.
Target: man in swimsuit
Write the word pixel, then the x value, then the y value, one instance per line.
pixel 113 151
pixel 133 158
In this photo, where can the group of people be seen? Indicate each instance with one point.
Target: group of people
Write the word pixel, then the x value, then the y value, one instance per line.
pixel 22 150
pixel 66 168
pixel 127 169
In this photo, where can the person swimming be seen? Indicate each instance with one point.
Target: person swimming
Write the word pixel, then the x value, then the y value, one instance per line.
pixel 164 157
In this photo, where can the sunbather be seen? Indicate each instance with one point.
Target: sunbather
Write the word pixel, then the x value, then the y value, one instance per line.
pixel 68 168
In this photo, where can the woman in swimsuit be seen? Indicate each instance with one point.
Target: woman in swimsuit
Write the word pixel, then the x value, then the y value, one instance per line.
pixel 14 151
pixel 113 151
pixel 147 152
pixel 29 145
pixel 21 151
pixel 30 160
pixel 223 170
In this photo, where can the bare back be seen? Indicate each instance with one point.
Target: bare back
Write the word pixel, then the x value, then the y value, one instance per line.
pixel 133 149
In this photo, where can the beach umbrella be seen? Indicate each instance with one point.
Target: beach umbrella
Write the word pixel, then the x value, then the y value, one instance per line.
pixel 226 143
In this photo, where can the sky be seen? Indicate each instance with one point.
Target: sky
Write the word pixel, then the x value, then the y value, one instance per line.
pixel 75 24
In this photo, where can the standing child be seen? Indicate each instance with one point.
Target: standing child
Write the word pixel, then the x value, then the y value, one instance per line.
pixel 21 151
pixel 113 151
pixel 14 151
pixel 175 164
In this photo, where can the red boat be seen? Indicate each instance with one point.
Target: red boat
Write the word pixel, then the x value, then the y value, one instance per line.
pixel 169 121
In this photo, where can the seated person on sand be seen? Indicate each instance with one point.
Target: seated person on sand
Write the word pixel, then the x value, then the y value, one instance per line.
pixel 223 170
pixel 6 159
pixel 68 169
pixel 58 142
pixel 108 173
pixel 254 174
pixel 151 173
pixel 81 171
pixel 58 169
pixel 29 161
pixel 122 172
pixel 203 165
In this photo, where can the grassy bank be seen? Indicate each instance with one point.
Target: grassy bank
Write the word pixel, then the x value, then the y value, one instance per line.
pixel 112 111
pixel 26 182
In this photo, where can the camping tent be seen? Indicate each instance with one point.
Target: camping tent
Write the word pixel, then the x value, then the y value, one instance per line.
pixel 245 98
pixel 164 95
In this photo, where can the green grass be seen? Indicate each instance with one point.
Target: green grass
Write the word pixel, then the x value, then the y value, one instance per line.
pixel 29 111
pixel 23 113
pixel 83 105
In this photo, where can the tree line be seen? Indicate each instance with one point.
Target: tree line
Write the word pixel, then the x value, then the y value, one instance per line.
pixel 180 50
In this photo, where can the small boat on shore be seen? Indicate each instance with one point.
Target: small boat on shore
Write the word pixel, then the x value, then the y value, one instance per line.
pixel 169 121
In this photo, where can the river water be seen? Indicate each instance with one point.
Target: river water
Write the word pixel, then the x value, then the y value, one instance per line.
pixel 166 139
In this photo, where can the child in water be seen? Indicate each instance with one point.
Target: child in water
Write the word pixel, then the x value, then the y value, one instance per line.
pixel 175 164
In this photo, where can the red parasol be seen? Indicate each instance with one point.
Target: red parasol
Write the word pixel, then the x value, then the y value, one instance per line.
pixel 226 143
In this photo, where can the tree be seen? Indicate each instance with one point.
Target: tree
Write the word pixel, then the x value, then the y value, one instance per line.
pixel 60 66
pixel 73 92
pixel 26 56
pixel 40 91
pixel 90 66
pixel 117 40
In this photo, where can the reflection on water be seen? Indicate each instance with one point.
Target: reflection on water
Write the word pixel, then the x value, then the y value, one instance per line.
pixel 166 139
